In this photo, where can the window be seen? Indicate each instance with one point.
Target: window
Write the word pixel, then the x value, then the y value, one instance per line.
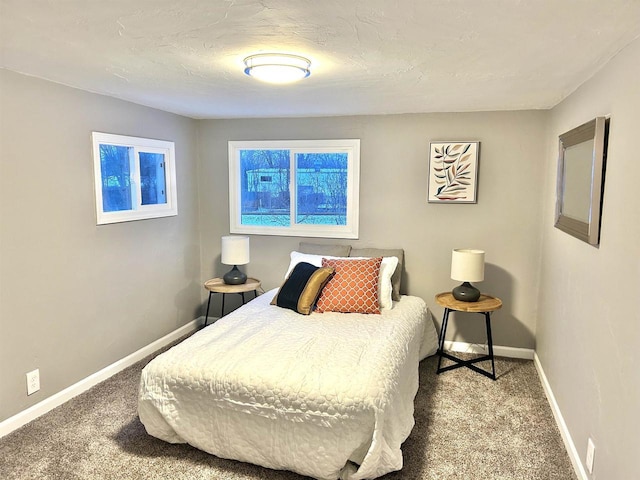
pixel 298 187
pixel 134 177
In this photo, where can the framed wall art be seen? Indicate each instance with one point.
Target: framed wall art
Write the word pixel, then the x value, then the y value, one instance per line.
pixel 453 172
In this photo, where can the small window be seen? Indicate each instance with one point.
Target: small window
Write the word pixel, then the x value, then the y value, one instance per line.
pixel 298 187
pixel 134 178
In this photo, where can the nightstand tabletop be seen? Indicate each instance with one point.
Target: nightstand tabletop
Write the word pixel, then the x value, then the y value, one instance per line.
pixel 217 285
pixel 486 303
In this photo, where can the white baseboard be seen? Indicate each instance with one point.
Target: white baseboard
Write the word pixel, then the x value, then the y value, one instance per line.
pixel 510 352
pixel 562 426
pixel 48 404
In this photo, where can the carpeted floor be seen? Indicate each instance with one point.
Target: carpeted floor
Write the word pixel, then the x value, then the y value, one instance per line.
pixel 467 427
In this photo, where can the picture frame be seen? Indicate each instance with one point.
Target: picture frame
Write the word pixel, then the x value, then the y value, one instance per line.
pixel 453 172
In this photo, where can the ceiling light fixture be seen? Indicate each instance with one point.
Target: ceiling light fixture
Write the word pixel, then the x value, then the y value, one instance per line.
pixel 277 67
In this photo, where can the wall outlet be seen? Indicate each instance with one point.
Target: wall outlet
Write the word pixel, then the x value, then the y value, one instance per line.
pixel 33 381
pixel 591 449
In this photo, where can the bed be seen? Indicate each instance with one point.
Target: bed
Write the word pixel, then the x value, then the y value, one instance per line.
pixel 328 395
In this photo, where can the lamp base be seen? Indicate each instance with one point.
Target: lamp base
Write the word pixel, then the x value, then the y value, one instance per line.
pixel 234 277
pixel 466 293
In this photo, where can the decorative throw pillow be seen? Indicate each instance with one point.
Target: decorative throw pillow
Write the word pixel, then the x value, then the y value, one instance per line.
pixel 387 272
pixel 353 287
pixel 385 252
pixel 301 289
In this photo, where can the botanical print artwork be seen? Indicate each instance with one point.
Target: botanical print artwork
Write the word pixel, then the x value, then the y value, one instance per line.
pixel 453 168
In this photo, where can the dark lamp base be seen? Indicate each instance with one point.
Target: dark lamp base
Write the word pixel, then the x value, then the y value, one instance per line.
pixel 466 293
pixel 234 277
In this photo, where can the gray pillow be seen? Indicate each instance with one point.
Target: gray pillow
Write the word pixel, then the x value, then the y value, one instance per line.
pixel 331 250
pixel 385 252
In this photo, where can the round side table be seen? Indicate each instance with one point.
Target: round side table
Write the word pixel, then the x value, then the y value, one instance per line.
pixel 485 305
pixel 217 285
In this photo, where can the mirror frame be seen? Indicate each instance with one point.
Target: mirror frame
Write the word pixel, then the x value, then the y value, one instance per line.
pixel 598 131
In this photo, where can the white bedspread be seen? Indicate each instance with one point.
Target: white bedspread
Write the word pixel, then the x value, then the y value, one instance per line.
pixel 326 395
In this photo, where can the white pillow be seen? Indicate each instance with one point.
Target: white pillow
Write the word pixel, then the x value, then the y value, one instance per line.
pixel 387 267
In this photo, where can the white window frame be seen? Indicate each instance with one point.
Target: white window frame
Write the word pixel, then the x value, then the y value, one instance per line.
pixel 349 146
pixel 138 211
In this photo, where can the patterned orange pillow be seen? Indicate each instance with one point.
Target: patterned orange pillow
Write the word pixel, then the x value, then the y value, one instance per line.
pixel 353 287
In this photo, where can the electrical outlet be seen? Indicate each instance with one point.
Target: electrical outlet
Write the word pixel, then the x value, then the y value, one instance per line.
pixel 591 449
pixel 33 381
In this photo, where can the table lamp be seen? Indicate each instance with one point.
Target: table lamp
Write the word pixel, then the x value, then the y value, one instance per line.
pixel 235 251
pixel 467 266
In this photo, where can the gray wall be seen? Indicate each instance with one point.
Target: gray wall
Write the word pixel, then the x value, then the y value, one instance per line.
pixel 588 323
pixel 75 297
pixel 393 209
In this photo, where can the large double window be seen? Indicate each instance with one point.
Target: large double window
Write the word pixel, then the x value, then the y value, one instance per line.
pixel 297 187
pixel 134 177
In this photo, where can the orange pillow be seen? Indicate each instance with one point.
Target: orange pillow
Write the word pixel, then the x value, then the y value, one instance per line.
pixel 353 287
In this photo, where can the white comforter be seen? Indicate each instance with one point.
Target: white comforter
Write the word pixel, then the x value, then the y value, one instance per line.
pixel 327 395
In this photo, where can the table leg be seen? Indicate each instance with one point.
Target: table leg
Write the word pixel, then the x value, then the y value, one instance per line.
pixel 222 309
pixel 443 332
pixel 242 293
pixel 206 317
pixel 466 363
pixel 487 317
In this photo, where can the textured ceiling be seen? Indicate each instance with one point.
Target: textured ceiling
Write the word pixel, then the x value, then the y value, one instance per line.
pixel 369 56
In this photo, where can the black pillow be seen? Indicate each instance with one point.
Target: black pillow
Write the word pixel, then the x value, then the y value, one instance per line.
pixel 301 289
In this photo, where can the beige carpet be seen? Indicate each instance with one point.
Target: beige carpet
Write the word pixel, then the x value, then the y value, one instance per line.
pixel 467 427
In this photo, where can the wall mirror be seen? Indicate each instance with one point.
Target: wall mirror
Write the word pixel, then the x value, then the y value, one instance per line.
pixel 581 167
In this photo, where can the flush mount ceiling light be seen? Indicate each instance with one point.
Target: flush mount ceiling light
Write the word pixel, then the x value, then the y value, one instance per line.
pixel 277 67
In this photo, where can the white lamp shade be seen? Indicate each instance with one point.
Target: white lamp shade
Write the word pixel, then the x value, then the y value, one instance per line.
pixel 235 250
pixel 467 265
